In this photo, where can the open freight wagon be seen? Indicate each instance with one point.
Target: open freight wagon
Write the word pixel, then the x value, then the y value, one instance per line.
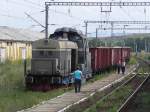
pixel 103 58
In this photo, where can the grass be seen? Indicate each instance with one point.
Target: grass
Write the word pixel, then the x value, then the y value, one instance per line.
pixel 111 103
pixel 132 61
pixel 142 100
pixel 13 95
pixel 18 99
pixel 100 76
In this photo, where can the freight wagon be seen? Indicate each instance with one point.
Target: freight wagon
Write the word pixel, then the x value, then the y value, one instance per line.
pixel 103 58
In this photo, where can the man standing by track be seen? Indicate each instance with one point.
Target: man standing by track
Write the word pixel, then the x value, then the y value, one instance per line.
pixel 123 67
pixel 119 66
pixel 77 80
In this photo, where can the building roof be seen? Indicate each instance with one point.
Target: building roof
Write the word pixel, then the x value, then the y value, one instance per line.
pixel 13 34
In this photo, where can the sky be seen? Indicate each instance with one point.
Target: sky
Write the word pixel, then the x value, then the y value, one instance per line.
pixel 12 14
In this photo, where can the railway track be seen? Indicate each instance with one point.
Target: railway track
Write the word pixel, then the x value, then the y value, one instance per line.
pixel 130 80
pixel 135 82
pixel 99 96
pixel 113 99
pixel 128 105
pixel 143 61
pixel 124 107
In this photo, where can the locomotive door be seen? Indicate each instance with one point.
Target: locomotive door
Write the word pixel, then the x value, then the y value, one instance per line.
pixel 23 53
pixel 73 59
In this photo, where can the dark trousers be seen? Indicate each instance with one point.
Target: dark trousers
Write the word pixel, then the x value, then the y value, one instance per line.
pixel 118 68
pixel 123 69
pixel 77 85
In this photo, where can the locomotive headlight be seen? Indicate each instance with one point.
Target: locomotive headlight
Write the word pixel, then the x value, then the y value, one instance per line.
pixel 29 79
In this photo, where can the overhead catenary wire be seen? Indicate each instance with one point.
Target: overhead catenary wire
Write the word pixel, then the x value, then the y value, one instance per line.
pixel 12 16
pixel 55 11
pixel 35 5
pixel 127 14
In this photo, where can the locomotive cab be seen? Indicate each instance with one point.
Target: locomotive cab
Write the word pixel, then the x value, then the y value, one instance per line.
pixel 52 61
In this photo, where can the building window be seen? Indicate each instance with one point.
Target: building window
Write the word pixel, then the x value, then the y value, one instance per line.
pixel 9 43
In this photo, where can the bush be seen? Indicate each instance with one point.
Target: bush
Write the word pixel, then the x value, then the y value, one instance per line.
pixel 132 61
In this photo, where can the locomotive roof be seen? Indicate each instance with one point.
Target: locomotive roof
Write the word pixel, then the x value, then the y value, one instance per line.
pixel 68 30
pixel 54 44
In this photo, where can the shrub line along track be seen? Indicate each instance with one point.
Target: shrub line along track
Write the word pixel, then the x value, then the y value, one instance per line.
pixel 130 98
pixel 67 100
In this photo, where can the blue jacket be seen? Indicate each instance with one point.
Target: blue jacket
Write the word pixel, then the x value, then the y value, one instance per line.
pixel 78 74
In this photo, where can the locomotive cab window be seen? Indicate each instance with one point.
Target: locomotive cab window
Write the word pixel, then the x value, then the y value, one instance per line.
pixel 41 53
pixel 49 53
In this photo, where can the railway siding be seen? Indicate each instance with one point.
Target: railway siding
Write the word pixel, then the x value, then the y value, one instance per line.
pixel 65 101
pixel 124 107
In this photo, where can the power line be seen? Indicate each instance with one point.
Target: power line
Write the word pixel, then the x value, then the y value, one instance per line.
pixel 34 20
pixel 11 16
pixel 31 2
pixel 127 13
pixel 59 12
pixel 24 5
pixel 37 6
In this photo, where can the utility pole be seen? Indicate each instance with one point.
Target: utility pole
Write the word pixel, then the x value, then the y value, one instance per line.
pixel 96 33
pixel 86 28
pixel 112 29
pixel 148 47
pixel 46 21
pixel 145 46
pixel 96 37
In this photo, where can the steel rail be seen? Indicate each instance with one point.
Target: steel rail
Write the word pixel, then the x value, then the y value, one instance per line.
pixel 125 104
pixel 145 61
pixel 130 79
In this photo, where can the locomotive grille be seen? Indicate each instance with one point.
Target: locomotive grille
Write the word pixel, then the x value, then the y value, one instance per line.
pixel 44 66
